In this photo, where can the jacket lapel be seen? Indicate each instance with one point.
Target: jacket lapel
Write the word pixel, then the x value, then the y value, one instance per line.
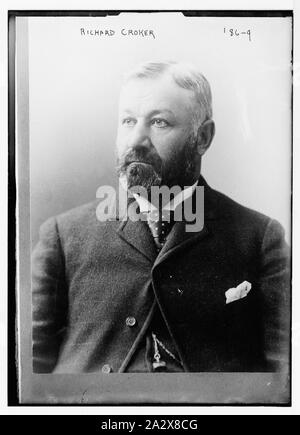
pixel 137 234
pixel 179 238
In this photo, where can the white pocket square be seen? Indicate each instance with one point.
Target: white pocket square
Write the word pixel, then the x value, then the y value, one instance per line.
pixel 239 292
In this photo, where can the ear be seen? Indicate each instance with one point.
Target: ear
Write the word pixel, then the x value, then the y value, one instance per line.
pixel 205 135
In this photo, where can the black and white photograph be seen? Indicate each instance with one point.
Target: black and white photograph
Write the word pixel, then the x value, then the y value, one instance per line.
pixel 153 154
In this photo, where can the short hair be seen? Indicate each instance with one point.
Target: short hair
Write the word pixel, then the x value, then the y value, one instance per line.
pixel 186 76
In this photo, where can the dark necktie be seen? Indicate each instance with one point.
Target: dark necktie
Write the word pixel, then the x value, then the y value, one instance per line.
pixel 160 224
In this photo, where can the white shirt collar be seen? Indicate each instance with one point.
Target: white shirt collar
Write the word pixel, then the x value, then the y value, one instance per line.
pixel 146 206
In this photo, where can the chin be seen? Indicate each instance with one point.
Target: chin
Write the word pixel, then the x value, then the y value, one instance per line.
pixel 142 174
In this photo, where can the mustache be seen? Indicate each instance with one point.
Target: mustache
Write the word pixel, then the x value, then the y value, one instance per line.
pixel 139 154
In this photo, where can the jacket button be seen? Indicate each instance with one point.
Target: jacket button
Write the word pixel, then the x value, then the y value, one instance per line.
pixel 130 321
pixel 106 368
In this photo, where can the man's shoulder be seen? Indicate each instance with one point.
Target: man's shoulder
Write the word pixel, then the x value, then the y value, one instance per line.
pixel 230 208
pixel 238 217
pixel 81 219
pixel 78 213
pixel 247 226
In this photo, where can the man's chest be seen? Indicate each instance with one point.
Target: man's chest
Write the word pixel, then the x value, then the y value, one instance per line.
pixel 194 280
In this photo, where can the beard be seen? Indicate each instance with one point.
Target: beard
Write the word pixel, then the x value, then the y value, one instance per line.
pixel 145 168
pixel 141 167
pixel 180 170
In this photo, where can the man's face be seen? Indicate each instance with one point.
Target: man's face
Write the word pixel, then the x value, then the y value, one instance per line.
pixel 155 141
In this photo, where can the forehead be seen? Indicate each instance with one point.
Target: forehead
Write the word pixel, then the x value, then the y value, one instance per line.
pixel 155 94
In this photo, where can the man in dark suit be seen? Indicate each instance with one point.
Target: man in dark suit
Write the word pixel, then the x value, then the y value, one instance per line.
pixel 146 295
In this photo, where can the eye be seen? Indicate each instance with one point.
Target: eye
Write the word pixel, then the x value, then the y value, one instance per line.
pixel 160 123
pixel 128 122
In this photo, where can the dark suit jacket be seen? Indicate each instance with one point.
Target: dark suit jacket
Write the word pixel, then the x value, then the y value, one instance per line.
pixel 90 276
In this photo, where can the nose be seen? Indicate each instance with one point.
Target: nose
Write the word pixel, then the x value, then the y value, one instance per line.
pixel 140 136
